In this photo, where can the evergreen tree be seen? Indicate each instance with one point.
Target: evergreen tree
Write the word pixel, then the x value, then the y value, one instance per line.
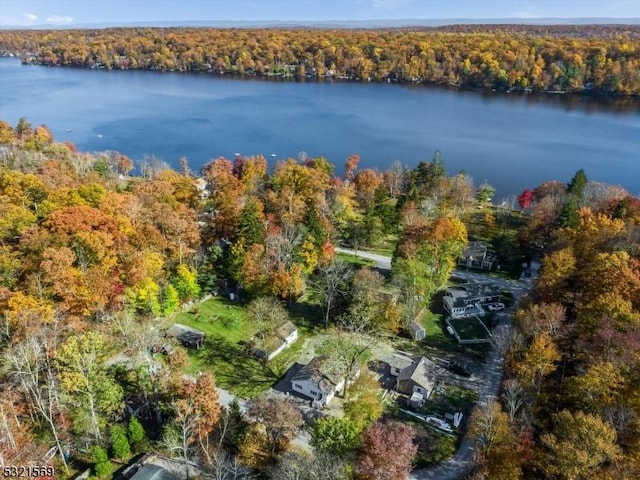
pixel 578 183
pixel 119 444
pixel 102 465
pixel 250 226
pixel 136 431
pixel 570 215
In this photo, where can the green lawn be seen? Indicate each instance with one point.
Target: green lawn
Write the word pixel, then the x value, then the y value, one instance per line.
pixel 386 246
pixel 468 328
pixel 227 328
pixel 353 260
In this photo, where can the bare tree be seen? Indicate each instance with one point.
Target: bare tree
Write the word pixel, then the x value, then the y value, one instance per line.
pixel 332 281
pixel 225 467
pixel 513 397
pixel 29 363
pixel 303 466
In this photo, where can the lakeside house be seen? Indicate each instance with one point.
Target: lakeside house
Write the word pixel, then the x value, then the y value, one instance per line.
pixel 467 299
pixel 317 381
pixel 415 377
pixel 477 255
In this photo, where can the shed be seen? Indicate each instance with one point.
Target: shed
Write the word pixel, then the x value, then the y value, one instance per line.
pixel 187 336
pixel 416 331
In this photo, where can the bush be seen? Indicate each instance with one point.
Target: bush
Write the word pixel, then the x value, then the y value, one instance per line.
pixel 100 458
pixel 119 444
pixel 136 432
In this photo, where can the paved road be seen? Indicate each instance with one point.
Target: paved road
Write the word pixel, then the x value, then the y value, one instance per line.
pixel 487 383
pixel 382 261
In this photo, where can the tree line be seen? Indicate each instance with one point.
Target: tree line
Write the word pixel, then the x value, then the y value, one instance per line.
pixel 569 402
pixel 93 260
pixel 596 59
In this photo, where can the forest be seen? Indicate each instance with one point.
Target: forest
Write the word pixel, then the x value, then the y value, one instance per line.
pixel 586 59
pixel 94 260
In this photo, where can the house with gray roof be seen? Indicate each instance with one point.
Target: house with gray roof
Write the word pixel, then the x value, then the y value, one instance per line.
pixel 418 378
pixel 467 299
pixel 317 381
pixel 476 255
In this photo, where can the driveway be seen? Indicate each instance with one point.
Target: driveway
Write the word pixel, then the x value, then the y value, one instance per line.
pixel 382 262
pixel 487 380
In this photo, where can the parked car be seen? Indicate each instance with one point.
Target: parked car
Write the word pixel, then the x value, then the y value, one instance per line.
pixel 459 369
pixel 495 307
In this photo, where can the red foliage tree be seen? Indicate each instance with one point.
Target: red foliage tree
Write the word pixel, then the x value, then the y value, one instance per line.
pixel 386 452
pixel 525 198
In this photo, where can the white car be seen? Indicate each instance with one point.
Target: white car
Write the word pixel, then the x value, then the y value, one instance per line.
pixel 495 307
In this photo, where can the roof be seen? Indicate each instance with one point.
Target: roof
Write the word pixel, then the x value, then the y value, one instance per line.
pixel 399 361
pixel 178 329
pixel 423 373
pixel 286 329
pixel 476 250
pixel 415 327
pixel 274 341
pixel 316 372
pixel 153 472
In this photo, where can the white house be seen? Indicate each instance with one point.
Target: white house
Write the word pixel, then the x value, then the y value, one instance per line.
pixel 316 382
pixel 283 337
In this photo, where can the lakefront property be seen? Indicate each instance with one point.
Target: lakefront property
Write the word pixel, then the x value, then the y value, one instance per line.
pixel 224 253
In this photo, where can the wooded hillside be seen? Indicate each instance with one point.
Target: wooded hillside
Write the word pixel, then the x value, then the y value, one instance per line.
pixel 602 59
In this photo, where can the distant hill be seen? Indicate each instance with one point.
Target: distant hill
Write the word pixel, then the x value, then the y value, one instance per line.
pixel 373 23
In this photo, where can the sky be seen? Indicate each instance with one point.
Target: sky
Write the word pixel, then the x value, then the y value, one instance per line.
pixel 62 13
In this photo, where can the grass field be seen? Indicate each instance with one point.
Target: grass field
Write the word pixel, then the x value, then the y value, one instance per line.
pixel 353 260
pixel 469 328
pixel 227 328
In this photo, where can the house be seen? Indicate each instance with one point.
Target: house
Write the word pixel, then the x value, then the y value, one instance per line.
pixel 201 185
pixel 476 255
pixel 187 336
pixel 398 363
pixel 467 299
pixel 272 344
pixel 419 378
pixel 416 331
pixel 150 467
pixel 317 381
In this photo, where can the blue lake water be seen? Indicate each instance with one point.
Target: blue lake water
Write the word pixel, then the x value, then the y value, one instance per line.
pixel 511 141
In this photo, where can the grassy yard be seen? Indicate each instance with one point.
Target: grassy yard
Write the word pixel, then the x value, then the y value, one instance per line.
pixel 385 246
pixel 468 328
pixel 353 260
pixel 227 328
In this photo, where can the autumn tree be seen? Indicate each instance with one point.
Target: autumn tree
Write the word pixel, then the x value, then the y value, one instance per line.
pixel 579 445
pixel 364 404
pixel 426 254
pixel 498 449
pixel 539 360
pixel 83 375
pixel 337 436
pixel 280 420
pixel 386 452
pixel 197 412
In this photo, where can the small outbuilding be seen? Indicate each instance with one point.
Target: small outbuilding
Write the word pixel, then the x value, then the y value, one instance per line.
pixel 187 336
pixel 416 331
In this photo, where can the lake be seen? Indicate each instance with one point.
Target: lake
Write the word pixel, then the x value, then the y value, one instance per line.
pixel 512 141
